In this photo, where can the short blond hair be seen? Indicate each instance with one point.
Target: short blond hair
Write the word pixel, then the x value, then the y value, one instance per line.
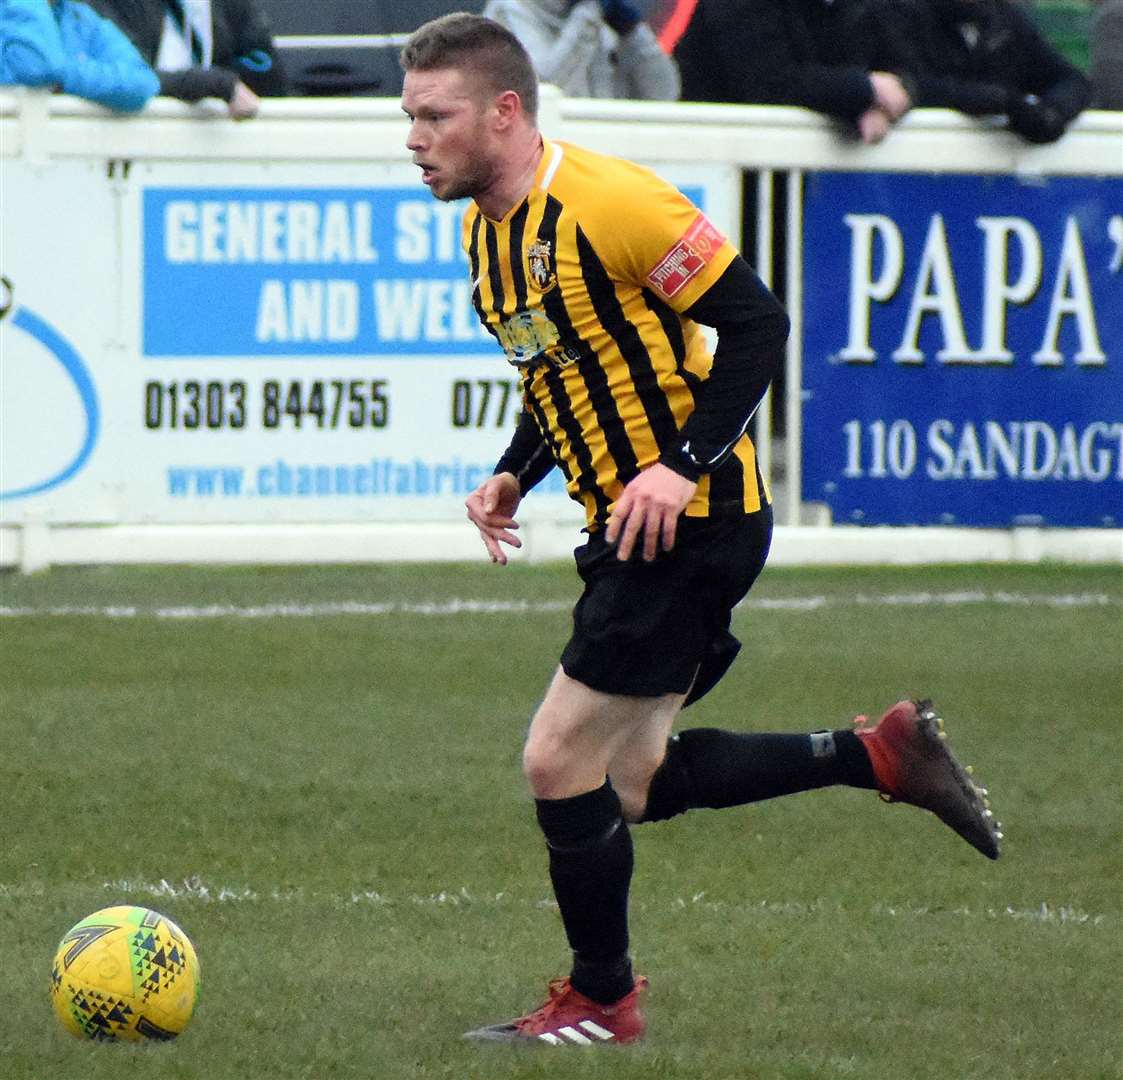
pixel 478 46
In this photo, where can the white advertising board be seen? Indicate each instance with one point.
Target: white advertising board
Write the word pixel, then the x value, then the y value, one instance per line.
pixel 252 342
pixel 59 331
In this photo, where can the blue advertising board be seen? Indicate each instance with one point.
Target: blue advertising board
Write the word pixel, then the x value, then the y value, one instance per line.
pixel 963 349
pixel 239 271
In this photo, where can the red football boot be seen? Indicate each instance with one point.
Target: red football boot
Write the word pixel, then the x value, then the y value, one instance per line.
pixel 913 763
pixel 571 1019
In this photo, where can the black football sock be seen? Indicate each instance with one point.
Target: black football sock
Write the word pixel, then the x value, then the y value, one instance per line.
pixel 591 870
pixel 705 767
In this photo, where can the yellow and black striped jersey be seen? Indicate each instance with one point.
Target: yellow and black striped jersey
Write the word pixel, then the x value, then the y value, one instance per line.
pixel 584 284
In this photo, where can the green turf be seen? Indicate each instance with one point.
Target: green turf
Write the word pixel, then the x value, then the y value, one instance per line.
pixel 335 809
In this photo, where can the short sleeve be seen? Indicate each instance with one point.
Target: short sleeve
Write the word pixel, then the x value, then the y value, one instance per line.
pixel 648 233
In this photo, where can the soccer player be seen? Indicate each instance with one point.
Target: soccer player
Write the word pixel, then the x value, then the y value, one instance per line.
pixel 594 275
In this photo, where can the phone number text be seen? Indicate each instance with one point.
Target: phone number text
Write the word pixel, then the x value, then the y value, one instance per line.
pixel 273 404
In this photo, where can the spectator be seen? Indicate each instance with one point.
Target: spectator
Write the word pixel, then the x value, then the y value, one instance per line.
pixel 591 48
pixel 204 48
pixel 66 46
pixel 1106 54
pixel 982 57
pixel 670 20
pixel 788 52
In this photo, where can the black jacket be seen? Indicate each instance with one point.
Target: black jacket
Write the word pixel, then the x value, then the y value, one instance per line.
pixel 776 52
pixel 980 57
pixel 1105 48
pixel 243 48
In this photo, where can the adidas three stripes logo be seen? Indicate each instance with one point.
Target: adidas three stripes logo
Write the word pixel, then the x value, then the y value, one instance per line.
pixel 574 1036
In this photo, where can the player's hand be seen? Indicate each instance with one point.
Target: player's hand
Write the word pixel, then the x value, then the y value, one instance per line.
pixel 889 94
pixel 491 508
pixel 243 103
pixel 651 503
pixel 873 125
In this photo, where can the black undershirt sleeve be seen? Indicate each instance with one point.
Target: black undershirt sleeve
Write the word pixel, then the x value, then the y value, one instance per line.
pixel 528 458
pixel 752 328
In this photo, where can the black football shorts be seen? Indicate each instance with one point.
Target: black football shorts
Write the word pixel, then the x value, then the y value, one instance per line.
pixel 646 629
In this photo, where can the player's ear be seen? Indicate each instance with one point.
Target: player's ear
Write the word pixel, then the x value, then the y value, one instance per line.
pixel 508 108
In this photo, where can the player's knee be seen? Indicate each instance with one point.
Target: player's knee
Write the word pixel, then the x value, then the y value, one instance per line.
pixel 557 762
pixel 546 766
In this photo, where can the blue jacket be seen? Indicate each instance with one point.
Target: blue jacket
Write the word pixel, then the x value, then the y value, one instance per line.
pixel 74 49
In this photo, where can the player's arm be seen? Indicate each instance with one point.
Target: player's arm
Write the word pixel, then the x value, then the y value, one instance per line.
pixel 528 458
pixel 491 507
pixel 752 328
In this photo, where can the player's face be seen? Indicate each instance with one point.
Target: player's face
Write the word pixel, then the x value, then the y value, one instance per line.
pixel 448 133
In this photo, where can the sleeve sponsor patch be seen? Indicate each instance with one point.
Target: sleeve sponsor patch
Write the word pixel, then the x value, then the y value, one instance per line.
pixel 696 248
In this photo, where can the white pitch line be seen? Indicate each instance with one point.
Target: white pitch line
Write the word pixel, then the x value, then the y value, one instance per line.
pixel 196 890
pixel 300 611
pixel 459 606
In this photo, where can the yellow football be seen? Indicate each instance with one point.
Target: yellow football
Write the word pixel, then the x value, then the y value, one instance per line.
pixel 125 973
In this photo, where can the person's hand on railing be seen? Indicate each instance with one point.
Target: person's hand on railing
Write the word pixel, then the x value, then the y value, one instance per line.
pixel 243 103
pixel 890 95
pixel 873 125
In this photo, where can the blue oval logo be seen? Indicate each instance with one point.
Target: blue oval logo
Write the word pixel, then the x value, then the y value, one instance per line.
pixel 73 365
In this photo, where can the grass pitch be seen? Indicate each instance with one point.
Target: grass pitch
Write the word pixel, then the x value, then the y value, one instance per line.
pixel 328 801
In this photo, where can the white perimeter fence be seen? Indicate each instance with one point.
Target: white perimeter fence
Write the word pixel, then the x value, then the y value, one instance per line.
pixel 254 342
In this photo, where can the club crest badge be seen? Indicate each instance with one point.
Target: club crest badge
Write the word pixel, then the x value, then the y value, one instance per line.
pixel 540 260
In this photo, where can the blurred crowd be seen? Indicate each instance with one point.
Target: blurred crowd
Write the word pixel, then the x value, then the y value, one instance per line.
pixel 867 62
pixel 864 62
pixel 121 53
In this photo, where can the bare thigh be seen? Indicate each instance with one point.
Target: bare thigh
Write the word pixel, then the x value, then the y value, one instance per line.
pixel 579 736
